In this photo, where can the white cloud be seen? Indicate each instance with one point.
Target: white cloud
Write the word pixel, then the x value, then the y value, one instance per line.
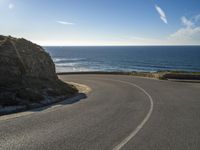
pixel 162 14
pixel 186 36
pixel 189 34
pixel 65 23
pixel 186 22
pixel 11 6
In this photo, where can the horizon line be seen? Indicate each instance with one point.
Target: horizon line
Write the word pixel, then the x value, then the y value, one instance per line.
pixel 113 45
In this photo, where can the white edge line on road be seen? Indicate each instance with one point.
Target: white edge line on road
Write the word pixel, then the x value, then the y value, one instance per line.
pixel 140 126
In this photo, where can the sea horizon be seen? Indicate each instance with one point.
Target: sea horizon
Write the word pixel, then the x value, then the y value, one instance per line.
pixel 117 45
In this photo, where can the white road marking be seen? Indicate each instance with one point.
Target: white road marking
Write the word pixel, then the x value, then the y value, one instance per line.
pixel 140 126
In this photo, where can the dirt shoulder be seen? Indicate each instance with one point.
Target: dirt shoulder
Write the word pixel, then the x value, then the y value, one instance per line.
pixel 162 75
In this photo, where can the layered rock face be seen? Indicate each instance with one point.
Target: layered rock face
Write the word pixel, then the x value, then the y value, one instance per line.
pixel 27 73
pixel 20 57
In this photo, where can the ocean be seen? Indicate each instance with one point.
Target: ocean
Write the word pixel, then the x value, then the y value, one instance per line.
pixel 125 58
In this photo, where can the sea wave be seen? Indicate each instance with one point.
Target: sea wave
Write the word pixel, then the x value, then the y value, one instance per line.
pixel 66 64
pixel 57 60
pixel 73 69
pixel 125 58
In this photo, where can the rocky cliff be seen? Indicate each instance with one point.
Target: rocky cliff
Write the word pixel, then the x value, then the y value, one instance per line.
pixel 27 73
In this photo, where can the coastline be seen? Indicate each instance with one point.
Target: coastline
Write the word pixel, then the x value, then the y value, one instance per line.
pixel 161 75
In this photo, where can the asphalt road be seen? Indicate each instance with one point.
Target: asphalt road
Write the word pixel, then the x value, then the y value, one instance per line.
pixel 121 112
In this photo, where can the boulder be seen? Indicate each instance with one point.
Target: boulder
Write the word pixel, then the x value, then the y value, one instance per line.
pixel 26 72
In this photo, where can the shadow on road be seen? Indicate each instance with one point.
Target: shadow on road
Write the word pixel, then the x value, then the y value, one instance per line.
pixel 41 107
pixel 78 97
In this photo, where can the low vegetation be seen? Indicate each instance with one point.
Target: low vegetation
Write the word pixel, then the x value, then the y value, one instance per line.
pixel 164 75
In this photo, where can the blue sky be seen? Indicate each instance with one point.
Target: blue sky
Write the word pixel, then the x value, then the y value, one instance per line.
pixel 102 22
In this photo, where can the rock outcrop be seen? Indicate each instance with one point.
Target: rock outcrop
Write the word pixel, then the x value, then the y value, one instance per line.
pixel 27 73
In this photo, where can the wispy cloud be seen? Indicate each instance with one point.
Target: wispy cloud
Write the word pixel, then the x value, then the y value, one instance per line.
pixel 65 23
pixel 186 22
pixel 11 6
pixel 189 33
pixel 162 14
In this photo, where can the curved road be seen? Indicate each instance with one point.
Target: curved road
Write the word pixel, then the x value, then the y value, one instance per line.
pixel 121 113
